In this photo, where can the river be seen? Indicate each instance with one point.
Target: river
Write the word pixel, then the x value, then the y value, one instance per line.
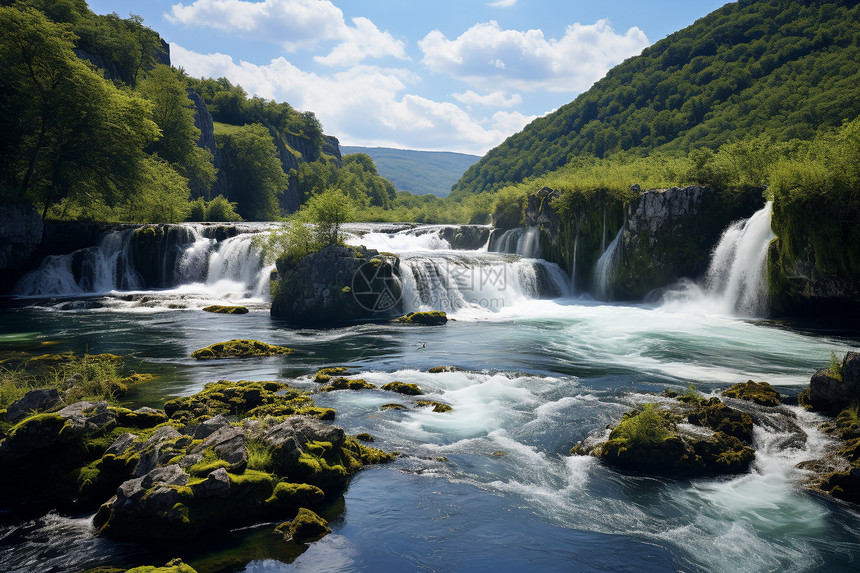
pixel 489 485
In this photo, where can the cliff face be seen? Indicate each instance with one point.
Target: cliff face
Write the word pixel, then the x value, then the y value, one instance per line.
pixel 20 236
pixel 670 233
pixel 665 234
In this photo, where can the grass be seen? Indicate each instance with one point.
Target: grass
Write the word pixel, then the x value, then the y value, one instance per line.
pixel 259 456
pixel 644 427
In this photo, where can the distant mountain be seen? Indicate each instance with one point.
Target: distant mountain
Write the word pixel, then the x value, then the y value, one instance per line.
pixel 419 172
pixel 780 68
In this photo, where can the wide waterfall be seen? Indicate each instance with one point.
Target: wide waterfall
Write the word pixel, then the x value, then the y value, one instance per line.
pixel 524 242
pixel 736 281
pixel 187 258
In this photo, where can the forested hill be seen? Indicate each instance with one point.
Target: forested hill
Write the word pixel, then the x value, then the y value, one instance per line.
pixel 779 68
pixel 418 172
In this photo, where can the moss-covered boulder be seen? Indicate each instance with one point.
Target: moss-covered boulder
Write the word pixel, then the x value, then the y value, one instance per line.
pixel 305 526
pixel 717 416
pixel 761 393
pixel 836 388
pixel 655 440
pixel 174 566
pixel 337 284
pixel 438 407
pixel 219 309
pixel 429 318
pixel 323 375
pixel 246 399
pixel 441 369
pixel 341 383
pixel 240 348
pixel 403 388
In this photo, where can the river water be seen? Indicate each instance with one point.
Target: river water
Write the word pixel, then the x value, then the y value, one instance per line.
pixel 489 485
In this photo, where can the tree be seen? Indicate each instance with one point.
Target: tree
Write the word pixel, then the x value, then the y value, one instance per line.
pixel 253 171
pixel 173 111
pixel 69 133
pixel 328 211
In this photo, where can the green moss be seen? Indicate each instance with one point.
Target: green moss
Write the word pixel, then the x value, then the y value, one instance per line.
pixel 226 309
pixel 324 375
pixel 761 393
pixel 347 384
pixel 403 388
pixel 174 566
pixel 393 407
pixel 243 398
pixel 440 369
pixel 364 437
pixel 239 348
pixel 438 407
pixel 209 462
pixel 430 318
pixel 717 416
pixel 646 426
pixel 306 526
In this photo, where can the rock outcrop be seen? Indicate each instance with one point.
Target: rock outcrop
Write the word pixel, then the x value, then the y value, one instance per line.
pixel 21 231
pixel 670 233
pixel 337 284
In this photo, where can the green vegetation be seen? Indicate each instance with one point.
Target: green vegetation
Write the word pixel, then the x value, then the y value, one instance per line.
pixel 431 318
pixel 782 70
pixel 403 388
pixel 219 209
pixel 219 309
pixel 646 426
pixel 341 383
pixel 761 393
pixel 306 526
pixel 418 172
pixel 239 348
pixel 77 377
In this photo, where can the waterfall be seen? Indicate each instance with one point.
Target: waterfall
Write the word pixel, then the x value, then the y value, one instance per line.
pixel 452 282
pixel 605 267
pixel 524 242
pixel 736 281
pixel 736 276
pixel 185 258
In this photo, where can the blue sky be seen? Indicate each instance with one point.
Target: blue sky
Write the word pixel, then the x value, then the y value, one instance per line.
pixel 444 75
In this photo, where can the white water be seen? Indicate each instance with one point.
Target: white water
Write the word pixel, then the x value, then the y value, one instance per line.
pixel 736 281
pixel 229 269
pixel 605 268
pixel 523 242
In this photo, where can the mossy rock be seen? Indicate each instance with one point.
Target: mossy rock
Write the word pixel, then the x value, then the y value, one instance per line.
pixel 438 407
pixel 717 416
pixel 649 441
pixel 219 309
pixel 429 318
pixel 441 369
pixel 761 393
pixel 393 407
pixel 403 388
pixel 174 566
pixel 240 348
pixel 364 437
pixel 243 399
pixel 347 384
pixel 306 526
pixel 323 375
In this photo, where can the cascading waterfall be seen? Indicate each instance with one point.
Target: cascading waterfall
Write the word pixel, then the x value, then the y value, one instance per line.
pixel 736 276
pixel 524 242
pixel 187 259
pixel 454 282
pixel 736 281
pixel 605 267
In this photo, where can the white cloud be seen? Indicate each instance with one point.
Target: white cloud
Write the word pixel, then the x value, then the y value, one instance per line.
pixel 363 105
pixel 293 24
pixel 493 99
pixel 487 57
pixel 502 3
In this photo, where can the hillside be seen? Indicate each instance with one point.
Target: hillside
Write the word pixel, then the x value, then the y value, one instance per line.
pixel 418 172
pixel 778 68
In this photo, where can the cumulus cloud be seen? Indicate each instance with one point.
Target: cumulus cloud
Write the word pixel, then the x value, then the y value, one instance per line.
pixel 488 57
pixel 294 24
pixel 363 105
pixel 493 99
pixel 502 3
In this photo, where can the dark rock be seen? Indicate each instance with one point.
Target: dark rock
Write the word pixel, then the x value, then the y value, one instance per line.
pixel 761 393
pixel 429 318
pixel 403 388
pixel 21 231
pixel 440 369
pixel 825 393
pixel 229 445
pixel 216 484
pixel 306 526
pixel 337 284
pixel 33 401
pixel 87 418
pixel 210 426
